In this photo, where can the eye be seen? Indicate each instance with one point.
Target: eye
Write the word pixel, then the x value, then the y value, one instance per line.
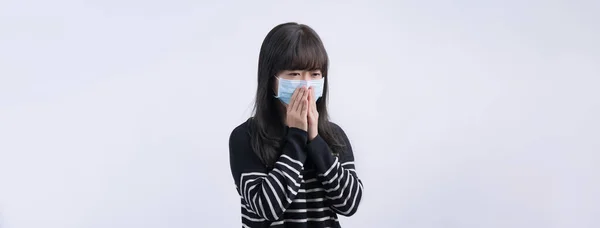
pixel 294 74
pixel 316 75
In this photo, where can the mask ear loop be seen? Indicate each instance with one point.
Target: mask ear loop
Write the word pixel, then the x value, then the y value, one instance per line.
pixel 275 94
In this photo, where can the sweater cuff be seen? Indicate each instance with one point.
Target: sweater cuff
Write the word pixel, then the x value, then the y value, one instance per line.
pixel 321 155
pixel 297 138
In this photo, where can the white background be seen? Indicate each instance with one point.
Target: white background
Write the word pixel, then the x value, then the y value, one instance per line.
pixel 462 113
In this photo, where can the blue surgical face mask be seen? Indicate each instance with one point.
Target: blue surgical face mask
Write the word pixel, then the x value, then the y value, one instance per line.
pixel 287 87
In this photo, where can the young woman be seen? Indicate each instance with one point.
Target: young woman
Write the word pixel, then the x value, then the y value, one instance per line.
pixel 291 166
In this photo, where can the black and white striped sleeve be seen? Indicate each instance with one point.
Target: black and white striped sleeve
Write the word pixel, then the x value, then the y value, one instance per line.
pixel 267 193
pixel 337 174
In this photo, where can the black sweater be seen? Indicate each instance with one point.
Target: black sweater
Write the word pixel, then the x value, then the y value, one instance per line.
pixel 308 186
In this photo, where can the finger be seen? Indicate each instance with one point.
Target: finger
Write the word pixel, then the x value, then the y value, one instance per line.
pixel 300 98
pixel 293 99
pixel 314 102
pixel 304 110
pixel 305 97
pixel 298 92
pixel 310 100
pixel 308 110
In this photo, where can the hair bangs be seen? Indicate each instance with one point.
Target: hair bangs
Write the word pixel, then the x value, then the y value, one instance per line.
pixel 305 52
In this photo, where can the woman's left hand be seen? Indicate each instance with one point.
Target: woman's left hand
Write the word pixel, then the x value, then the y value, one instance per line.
pixel 313 115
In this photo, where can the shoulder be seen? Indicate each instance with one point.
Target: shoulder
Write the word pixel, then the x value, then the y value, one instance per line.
pixel 240 133
pixel 340 134
pixel 336 128
pixel 241 155
pixel 240 145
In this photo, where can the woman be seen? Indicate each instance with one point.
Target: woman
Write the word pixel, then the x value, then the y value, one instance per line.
pixel 291 166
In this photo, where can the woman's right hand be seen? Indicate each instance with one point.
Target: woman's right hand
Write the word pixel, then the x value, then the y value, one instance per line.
pixel 296 115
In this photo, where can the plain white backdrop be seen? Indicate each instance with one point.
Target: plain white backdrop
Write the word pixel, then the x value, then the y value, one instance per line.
pixel 461 113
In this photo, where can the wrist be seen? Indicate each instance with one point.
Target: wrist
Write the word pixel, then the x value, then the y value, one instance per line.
pixel 312 136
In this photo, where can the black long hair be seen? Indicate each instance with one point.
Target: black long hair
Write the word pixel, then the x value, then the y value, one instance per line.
pixel 288 46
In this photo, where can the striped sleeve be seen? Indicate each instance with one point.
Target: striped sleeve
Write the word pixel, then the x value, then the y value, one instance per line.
pixel 267 193
pixel 338 175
